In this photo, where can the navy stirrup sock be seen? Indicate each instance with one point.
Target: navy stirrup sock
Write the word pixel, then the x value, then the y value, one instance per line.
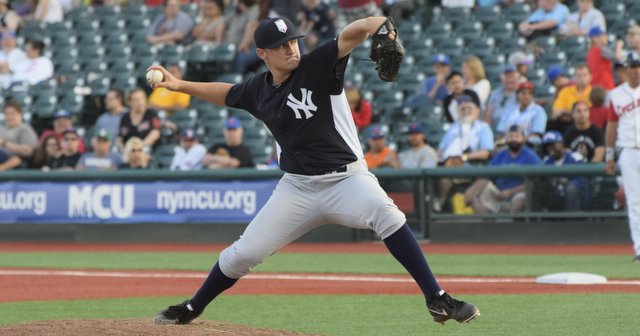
pixel 215 284
pixel 404 247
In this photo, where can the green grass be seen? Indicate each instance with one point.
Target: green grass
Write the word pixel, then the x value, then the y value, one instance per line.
pixel 566 314
pixel 473 265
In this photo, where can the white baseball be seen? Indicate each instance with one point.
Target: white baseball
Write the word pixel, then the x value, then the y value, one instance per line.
pixel 154 76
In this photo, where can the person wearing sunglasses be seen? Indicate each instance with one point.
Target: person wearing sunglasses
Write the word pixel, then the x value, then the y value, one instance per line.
pixel 70 151
pixel 134 156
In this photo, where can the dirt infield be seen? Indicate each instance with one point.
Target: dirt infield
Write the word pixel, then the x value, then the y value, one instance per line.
pixel 139 327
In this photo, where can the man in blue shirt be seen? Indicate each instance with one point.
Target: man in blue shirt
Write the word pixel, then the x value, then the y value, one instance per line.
pixel 545 20
pixel 503 97
pixel 561 193
pixel 434 89
pixel 530 116
pixel 507 193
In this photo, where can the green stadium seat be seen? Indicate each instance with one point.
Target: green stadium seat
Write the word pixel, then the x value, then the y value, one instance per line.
pixel 163 156
pixel 451 47
pixel 170 54
pixel 550 59
pixel 544 92
pixel 125 82
pixel 439 31
pixel 507 46
pixel 185 118
pixel 501 30
pixel 517 12
pixel 470 30
pixel 44 106
pixel 72 103
pixel 199 54
pixel 44 88
pixel 100 86
pixel 481 47
pixel 619 28
pixel 574 44
pixel 537 76
pixel 548 43
pixel 613 12
pixel 230 78
pixel 577 59
pixel 420 48
pixel 487 14
pixel 455 15
pixel 408 30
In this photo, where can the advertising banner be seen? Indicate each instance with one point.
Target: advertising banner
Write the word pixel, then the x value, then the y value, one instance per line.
pixel 142 202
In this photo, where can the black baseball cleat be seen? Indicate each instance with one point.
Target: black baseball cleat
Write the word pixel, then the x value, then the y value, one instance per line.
pixel 181 313
pixel 444 307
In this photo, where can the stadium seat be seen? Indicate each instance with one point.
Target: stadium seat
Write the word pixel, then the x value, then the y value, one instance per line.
pixel 550 59
pixel 393 98
pixel 455 15
pixel 260 152
pixel 163 156
pixel 374 84
pixel 481 47
pixel 33 29
pixel 619 28
pixel 412 83
pixel 258 133
pixel 634 11
pixel 64 42
pixel 67 68
pixel 87 25
pixel 544 92
pixel 199 54
pixel 409 30
pixel 420 48
pixel 44 88
pixel 247 120
pixel 439 31
pixel 574 44
pixel 96 65
pixel 537 76
pixel 451 47
pixel 507 46
pixel 80 13
pixel 100 86
pixel 110 27
pixel 517 13
pixel 89 40
pixel 548 43
pixel 185 118
pixel 115 55
pixel 72 103
pixel 125 82
pixel 115 39
pixel 135 12
pixel 501 30
pixel 613 12
pixel 62 30
pixel 577 59
pixel 122 67
pixel 224 56
pixel 65 54
pixel 44 106
pixel 487 14
pixel 395 114
pixel 170 54
pixel 108 12
pixel 470 30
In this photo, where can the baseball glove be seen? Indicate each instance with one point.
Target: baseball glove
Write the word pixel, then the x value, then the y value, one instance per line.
pixel 388 54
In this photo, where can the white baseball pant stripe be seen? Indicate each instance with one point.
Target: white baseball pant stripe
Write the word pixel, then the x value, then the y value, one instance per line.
pixel 301 203
pixel 630 166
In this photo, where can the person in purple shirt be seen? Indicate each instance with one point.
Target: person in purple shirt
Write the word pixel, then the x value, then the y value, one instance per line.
pixel 434 88
pixel 507 193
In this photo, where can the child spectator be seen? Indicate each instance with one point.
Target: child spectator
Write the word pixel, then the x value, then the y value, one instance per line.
pixel 600 57
pixel 597 111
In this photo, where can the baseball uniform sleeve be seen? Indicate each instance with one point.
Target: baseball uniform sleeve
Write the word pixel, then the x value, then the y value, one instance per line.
pixel 243 95
pixel 611 115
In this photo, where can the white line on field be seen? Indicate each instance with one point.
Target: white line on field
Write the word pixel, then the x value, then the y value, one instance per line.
pixel 272 276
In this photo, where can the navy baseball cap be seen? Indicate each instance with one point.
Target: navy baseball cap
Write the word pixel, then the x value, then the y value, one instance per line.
pixel 509 68
pixel 466 99
pixel 415 128
pixel 554 72
pixel 70 130
pixel 232 123
pixel 188 134
pixel 632 60
pixel 61 114
pixel 595 31
pixel 515 129
pixel 551 137
pixel 376 133
pixel 273 32
pixel 441 58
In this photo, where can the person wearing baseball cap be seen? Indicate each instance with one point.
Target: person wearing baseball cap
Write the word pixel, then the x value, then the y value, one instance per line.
pixel 232 153
pixel 522 62
pixel 434 88
pixel 61 122
pixel 502 97
pixel 530 116
pixel 70 151
pixel 600 58
pixel 622 131
pixel 102 158
pixel 565 194
pixel 420 154
pixel 508 193
pixel 379 155
pixel 190 153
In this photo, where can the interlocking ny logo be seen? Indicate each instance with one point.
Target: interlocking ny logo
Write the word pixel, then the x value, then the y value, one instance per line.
pixel 298 105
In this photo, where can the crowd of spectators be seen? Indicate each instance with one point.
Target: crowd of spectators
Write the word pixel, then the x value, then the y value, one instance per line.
pixel 485 125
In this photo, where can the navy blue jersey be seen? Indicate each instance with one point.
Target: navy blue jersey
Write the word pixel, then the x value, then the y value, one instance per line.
pixel 308 114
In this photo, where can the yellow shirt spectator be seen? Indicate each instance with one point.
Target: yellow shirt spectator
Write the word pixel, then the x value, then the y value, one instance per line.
pixel 569 95
pixel 163 99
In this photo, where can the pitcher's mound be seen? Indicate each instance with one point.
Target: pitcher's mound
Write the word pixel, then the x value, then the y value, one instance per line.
pixel 140 326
